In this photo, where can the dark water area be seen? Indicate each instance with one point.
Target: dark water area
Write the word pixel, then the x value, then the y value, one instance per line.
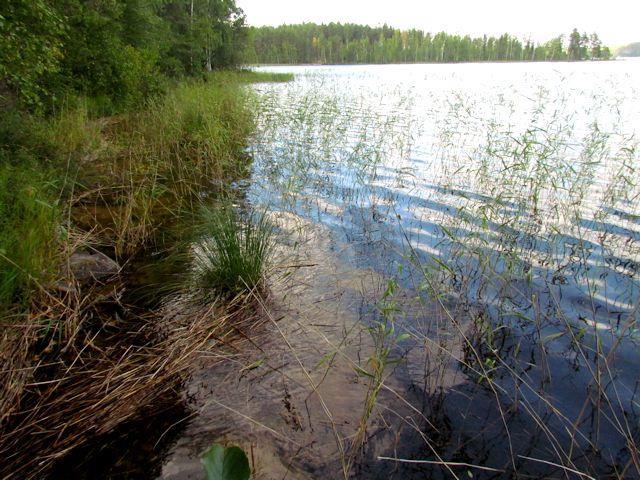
pixel 136 449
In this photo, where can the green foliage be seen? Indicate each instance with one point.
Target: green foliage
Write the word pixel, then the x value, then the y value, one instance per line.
pixel 30 46
pixel 113 50
pixel 222 463
pixel 28 228
pixel 99 62
pixel 233 251
pixel 21 138
pixel 586 47
pixel 337 43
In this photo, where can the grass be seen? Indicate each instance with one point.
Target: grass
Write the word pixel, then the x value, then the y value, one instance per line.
pixel 232 254
pixel 253 76
pixel 181 145
pixel 118 180
pixel 75 180
pixel 29 230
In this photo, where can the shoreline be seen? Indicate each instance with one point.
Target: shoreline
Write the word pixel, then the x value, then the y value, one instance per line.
pixel 138 177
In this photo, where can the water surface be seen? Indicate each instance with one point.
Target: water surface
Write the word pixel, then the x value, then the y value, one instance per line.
pixel 501 202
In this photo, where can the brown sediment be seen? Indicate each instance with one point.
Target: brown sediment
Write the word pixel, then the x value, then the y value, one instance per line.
pixel 293 398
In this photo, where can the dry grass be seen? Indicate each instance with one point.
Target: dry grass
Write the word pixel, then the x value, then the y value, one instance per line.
pixel 77 362
pixel 106 378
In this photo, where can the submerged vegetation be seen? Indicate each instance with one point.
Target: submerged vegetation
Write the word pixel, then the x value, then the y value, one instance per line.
pixel 338 43
pixel 510 238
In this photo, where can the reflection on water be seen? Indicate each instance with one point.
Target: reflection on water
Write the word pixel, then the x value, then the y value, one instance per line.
pixel 504 200
pixel 513 189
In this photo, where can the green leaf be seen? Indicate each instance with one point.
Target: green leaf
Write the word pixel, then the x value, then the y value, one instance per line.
pixel 362 372
pixel 222 463
pixel 552 337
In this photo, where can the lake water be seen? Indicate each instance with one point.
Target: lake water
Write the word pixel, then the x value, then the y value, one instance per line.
pixel 490 213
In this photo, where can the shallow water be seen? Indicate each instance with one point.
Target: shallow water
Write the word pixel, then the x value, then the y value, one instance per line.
pixel 504 201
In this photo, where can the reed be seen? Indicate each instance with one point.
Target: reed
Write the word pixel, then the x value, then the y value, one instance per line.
pixel 232 254
pixel 503 223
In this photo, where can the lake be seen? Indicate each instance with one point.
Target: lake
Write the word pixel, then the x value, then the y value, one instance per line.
pixel 475 230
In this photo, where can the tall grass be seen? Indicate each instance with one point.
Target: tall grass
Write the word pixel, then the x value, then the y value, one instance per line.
pixel 252 76
pixel 74 180
pixel 233 252
pixel 160 160
pixel 29 223
pixel 120 178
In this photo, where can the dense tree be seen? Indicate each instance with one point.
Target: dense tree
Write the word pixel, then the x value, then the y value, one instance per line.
pixel 30 45
pixel 348 43
pixel 112 49
pixel 575 45
pixel 595 46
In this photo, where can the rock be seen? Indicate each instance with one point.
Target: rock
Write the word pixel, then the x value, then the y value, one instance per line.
pixel 90 267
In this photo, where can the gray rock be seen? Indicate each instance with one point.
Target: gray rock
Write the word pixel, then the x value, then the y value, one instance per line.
pixel 90 267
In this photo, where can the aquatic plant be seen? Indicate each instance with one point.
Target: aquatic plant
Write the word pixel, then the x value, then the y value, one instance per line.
pixel 233 252
pixel 226 463
pixel 515 214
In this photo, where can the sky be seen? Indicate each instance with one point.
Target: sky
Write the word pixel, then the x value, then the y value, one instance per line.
pixel 616 21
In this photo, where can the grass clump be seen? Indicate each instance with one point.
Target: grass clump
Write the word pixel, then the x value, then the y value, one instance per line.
pixel 233 252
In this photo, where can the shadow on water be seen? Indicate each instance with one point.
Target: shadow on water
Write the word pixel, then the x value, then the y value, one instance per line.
pixel 135 449
pixel 539 279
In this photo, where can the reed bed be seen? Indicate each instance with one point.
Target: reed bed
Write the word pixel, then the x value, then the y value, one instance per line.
pixel 517 222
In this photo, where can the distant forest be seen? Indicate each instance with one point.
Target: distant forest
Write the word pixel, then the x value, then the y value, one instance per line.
pixel 337 43
pixel 631 50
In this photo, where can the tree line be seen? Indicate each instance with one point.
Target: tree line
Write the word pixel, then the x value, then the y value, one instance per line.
pixel 120 51
pixel 631 50
pixel 337 43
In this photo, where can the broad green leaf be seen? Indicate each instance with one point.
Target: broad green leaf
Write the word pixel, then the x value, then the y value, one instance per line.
pixel 222 463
